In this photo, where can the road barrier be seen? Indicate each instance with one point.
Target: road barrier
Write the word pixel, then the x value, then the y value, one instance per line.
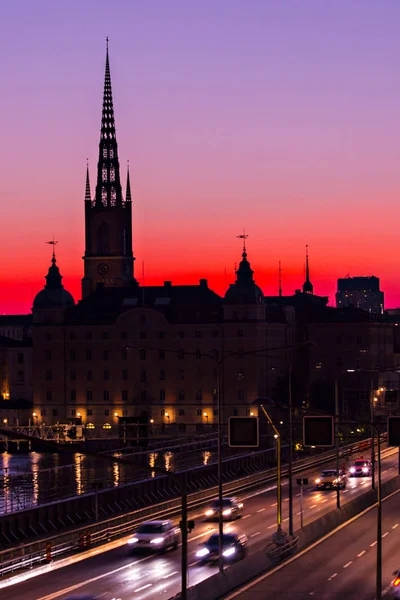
pixel 28 554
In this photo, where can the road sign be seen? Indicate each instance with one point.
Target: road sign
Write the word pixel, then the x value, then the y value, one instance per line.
pixel 243 432
pixel 319 431
pixel 302 481
pixel 393 428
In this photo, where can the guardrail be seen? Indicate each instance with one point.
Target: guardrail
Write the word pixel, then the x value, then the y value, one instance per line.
pixel 82 538
pixel 279 552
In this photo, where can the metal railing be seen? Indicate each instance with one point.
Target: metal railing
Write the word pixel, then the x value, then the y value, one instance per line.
pixel 95 534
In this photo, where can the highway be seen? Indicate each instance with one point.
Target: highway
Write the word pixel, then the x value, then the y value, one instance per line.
pixel 341 566
pixel 111 572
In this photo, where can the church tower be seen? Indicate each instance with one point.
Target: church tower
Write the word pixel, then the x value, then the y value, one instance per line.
pixel 108 255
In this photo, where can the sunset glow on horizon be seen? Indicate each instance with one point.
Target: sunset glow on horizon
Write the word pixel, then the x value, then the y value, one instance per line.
pixel 282 120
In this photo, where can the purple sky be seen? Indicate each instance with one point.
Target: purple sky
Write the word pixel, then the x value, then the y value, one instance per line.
pixel 279 116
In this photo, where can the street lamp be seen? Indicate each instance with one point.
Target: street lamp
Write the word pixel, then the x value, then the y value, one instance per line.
pixel 205 415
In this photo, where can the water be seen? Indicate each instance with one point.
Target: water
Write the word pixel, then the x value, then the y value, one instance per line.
pixel 35 478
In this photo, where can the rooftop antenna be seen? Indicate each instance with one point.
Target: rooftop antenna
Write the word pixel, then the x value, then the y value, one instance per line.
pixel 225 278
pixel 143 282
pixel 280 280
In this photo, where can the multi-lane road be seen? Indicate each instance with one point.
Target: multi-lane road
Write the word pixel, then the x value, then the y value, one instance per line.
pixel 111 572
pixel 341 566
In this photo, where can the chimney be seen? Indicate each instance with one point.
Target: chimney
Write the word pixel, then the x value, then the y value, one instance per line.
pixel 167 284
pixel 204 283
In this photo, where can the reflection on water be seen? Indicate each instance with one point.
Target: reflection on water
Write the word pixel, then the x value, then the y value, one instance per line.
pixel 37 478
pixel 152 461
pixel 206 457
pixel 168 458
pixel 78 473
pixel 116 469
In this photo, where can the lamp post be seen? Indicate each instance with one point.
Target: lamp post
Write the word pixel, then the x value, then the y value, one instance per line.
pixel 279 533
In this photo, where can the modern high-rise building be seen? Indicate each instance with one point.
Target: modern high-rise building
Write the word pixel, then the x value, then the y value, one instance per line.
pixel 360 292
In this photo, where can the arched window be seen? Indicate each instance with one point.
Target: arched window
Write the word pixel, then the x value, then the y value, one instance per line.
pixel 103 240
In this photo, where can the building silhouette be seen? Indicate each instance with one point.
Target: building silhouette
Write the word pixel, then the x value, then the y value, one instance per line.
pixel 360 292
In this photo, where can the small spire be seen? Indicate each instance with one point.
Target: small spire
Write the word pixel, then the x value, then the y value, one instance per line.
pixel 128 195
pixel 280 280
pixel 53 243
pixel 308 287
pixel 88 196
pixel 244 238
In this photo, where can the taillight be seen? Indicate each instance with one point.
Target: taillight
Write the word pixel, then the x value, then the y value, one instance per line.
pixel 396 582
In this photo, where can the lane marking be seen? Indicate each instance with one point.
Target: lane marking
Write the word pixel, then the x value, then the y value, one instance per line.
pixel 332 577
pixel 347 564
pixel 361 554
pixel 385 534
pixel 271 526
pixel 191 565
pixel 261 510
pixel 313 506
pixel 322 501
pixel 373 544
pixel 275 504
pixel 286 500
pixel 170 574
pixel 245 517
pixel 254 534
pixel 144 587
pixel 394 526
pixel 250 585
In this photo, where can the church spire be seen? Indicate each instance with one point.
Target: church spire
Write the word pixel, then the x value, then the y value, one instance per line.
pixel 88 196
pixel 308 287
pixel 108 188
pixel 128 196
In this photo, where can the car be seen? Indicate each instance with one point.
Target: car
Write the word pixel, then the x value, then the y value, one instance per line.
pixel 231 509
pixel 361 468
pixel 155 536
pixel 331 479
pixel 395 585
pixel 233 548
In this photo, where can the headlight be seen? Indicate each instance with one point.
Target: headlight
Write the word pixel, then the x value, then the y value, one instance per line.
pixel 240 505
pixel 365 469
pixel 202 552
pixel 335 481
pixel 157 541
pixel 133 540
pixel 352 469
pixel 227 512
pixel 229 552
pixel 208 513
pixel 317 481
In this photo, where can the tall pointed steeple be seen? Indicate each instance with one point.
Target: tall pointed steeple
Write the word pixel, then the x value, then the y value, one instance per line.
pixel 108 258
pixel 88 195
pixel 108 188
pixel 308 287
pixel 128 195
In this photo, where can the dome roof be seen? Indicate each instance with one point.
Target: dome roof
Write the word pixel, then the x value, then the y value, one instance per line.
pixel 244 290
pixel 53 295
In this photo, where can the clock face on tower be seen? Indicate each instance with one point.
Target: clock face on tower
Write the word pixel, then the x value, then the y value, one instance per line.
pixel 102 269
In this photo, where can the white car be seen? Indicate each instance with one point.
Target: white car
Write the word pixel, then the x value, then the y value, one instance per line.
pixel 155 536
